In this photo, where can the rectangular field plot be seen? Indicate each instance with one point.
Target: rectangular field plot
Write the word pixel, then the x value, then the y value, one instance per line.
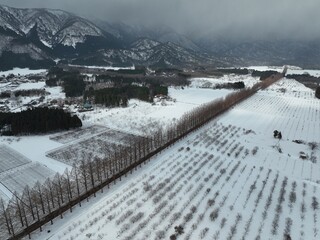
pixel 78 133
pixel 10 159
pixel 117 137
pixel 29 174
pixel 100 146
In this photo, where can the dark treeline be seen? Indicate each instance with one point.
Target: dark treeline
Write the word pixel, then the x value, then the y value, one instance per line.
pixel 306 79
pixel 72 82
pixel 9 60
pixel 5 94
pixel 238 71
pixel 120 80
pixel 318 92
pixel 37 120
pixel 24 93
pixel 30 92
pixel 160 71
pixel 42 203
pixel 235 85
pixel 263 74
pixel 119 96
pixel 303 77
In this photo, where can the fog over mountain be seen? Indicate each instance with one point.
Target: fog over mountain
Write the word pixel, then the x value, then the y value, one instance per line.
pixel 244 19
pixel 187 33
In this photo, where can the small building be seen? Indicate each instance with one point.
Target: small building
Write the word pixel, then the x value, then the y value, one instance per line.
pixel 87 106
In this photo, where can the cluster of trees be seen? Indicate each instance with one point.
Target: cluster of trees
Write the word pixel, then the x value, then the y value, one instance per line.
pixel 72 82
pixel 166 70
pixel 38 120
pixel 119 96
pixel 9 60
pixel 5 94
pixel 108 97
pixel 43 203
pixel 235 85
pixel 30 92
pixel 263 74
pixel 158 89
pixel 24 93
pixel 303 77
pixel 119 80
pixel 306 79
pixel 318 92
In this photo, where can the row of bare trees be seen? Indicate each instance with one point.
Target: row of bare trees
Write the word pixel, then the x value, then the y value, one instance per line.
pixel 36 206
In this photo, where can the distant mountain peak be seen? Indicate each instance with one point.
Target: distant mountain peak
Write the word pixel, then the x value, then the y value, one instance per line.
pixel 53 26
pixel 144 44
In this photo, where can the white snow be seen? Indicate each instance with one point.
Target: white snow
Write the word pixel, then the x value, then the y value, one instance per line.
pixel 139 118
pixel 266 68
pixel 46 43
pixel 22 71
pixel 142 117
pixel 221 165
pixel 28 86
pixel 103 67
pixel 228 78
pixel 35 148
pixel 55 92
pixel 228 179
pixel 291 70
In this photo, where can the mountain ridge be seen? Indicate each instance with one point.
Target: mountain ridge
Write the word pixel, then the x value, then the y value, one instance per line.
pixel 38 36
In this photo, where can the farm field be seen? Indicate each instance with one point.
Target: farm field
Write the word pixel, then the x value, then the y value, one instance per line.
pixel 142 118
pixel 103 130
pixel 231 179
pixel 17 171
pixel 97 145
pixel 291 70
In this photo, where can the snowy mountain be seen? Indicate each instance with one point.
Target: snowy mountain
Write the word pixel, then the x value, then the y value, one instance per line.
pixel 45 34
pixel 160 33
pixel 31 36
pixel 35 37
pixel 148 52
pixel 53 26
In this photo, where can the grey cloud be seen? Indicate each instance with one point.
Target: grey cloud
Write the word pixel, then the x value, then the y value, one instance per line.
pixel 232 18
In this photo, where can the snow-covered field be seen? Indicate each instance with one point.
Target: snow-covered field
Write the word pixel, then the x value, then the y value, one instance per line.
pixel 22 71
pixel 291 70
pixel 231 179
pixel 143 118
pixel 230 78
pixel 107 127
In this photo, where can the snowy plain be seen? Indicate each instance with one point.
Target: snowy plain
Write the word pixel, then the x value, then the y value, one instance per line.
pixel 139 118
pixel 290 70
pixel 231 179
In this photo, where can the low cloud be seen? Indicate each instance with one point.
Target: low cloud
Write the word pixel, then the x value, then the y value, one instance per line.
pixel 272 19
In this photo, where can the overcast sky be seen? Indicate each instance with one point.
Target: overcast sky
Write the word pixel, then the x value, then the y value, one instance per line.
pixel 254 18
